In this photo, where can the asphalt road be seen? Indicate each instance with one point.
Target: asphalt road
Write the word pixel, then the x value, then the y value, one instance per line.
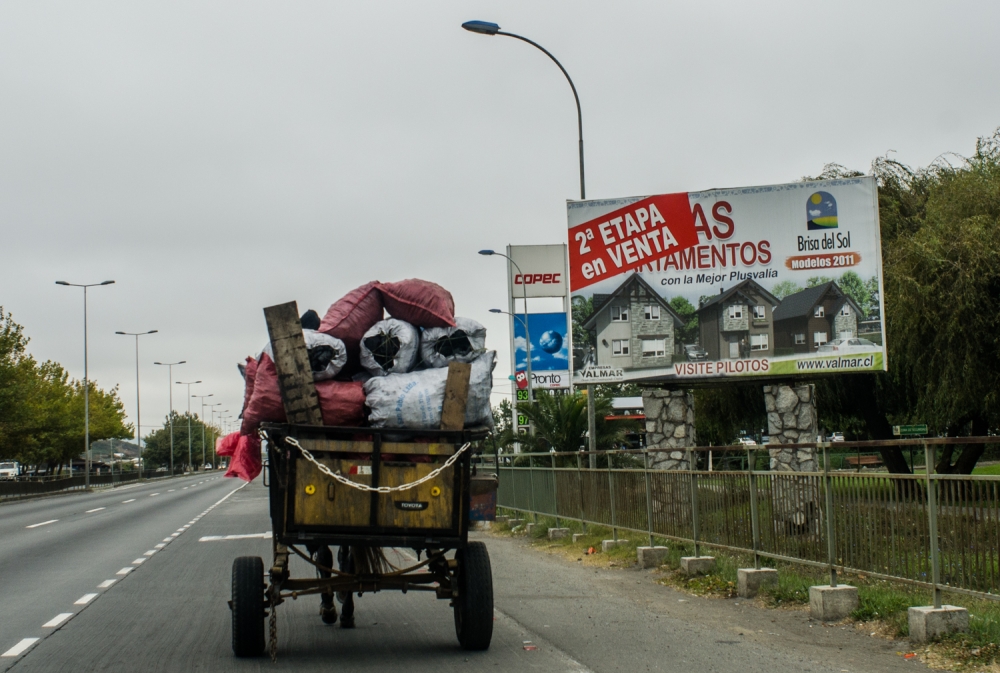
pixel 169 612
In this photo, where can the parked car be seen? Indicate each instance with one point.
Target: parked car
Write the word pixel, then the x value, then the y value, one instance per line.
pixel 849 346
pixel 837 437
pixel 10 470
pixel 695 353
pixel 161 469
pixel 745 441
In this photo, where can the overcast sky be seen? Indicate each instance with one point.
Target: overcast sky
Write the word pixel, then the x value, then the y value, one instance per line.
pixel 217 157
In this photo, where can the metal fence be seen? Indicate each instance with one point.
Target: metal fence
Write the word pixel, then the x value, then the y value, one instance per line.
pixel 27 486
pixel 871 522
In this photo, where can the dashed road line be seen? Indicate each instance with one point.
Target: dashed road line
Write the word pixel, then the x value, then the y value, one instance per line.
pixel 138 561
pixel 57 620
pixel 20 648
pixel 152 494
pixel 149 553
pixel 91 511
pixel 44 523
pixel 125 502
pixel 247 536
pixel 84 599
pixel 105 584
pixel 124 571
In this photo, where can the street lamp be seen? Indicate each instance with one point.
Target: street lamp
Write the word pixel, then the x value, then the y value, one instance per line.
pixel 189 384
pixel 202 400
pixel 86 380
pixel 138 436
pixel 170 416
pixel 221 416
pixel 527 335
pixel 487 28
pixel 211 408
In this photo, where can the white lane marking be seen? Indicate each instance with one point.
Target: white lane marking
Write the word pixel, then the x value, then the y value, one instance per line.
pixel 20 648
pixel 248 536
pixel 150 552
pixel 125 502
pixel 124 571
pixel 138 561
pixel 84 599
pixel 569 662
pixel 152 494
pixel 185 526
pixel 171 490
pixel 185 488
pixel 160 545
pixel 44 523
pixel 91 511
pixel 174 534
pixel 105 584
pixel 168 539
pixel 57 620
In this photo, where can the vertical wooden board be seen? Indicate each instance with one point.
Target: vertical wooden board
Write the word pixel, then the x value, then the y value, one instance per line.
pixel 291 359
pixel 456 393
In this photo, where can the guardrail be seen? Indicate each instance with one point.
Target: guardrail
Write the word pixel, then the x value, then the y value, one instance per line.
pixel 875 523
pixel 21 488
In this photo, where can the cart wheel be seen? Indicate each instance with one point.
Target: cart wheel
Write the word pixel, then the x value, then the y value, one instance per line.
pixel 248 606
pixel 327 610
pixel 474 605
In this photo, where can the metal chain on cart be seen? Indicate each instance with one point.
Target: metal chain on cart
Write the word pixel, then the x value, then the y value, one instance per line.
pixel 291 441
pixel 273 626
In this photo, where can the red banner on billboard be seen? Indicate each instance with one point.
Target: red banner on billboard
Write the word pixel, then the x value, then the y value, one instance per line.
pixel 630 238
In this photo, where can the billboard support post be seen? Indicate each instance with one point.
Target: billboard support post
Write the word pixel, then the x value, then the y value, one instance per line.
pixel 591 427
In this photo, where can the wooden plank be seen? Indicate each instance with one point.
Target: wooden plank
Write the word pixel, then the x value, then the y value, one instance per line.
pixel 456 393
pixel 291 359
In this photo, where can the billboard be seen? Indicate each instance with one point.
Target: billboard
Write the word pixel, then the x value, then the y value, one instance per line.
pixel 549 350
pixel 540 270
pixel 781 280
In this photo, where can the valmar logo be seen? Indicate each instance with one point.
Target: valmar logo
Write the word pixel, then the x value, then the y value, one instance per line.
pixel 821 209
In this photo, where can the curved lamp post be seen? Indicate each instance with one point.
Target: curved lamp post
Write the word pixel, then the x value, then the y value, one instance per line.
pixel 527 335
pixel 202 400
pixel 189 384
pixel 86 381
pixel 170 416
pixel 487 28
pixel 138 423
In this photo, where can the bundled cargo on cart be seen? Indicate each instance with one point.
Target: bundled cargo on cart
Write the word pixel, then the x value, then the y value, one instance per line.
pixel 368 418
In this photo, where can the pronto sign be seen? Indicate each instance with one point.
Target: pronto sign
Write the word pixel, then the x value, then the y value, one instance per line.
pixel 780 280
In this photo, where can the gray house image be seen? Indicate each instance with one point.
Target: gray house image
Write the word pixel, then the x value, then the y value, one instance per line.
pixel 633 327
pixel 738 322
pixel 806 320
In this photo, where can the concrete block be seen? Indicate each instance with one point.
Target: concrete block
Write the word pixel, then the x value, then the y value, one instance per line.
pixel 558 533
pixel 831 604
pixel 927 623
pixel 577 537
pixel 608 545
pixel 502 519
pixel 651 557
pixel 697 565
pixel 514 523
pixel 531 528
pixel 750 580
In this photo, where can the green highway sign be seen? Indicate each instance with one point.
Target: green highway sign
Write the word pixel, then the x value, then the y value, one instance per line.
pixel 909 430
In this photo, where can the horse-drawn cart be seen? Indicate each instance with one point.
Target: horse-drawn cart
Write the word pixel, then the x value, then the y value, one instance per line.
pixel 363 490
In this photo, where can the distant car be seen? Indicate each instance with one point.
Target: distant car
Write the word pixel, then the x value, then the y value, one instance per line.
pixel 161 469
pixel 746 441
pixel 837 437
pixel 695 353
pixel 849 346
pixel 206 466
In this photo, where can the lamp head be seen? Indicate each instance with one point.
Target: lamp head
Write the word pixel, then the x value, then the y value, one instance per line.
pixel 486 252
pixel 152 331
pixel 61 282
pixel 119 332
pixel 108 282
pixel 495 310
pixel 481 27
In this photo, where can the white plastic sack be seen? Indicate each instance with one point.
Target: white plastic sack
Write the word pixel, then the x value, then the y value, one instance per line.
pixel 462 343
pixel 390 347
pixel 327 354
pixel 414 400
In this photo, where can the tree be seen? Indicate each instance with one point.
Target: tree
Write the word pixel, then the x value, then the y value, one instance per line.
pixel 689 333
pixel 156 452
pixel 858 290
pixel 785 288
pixel 560 423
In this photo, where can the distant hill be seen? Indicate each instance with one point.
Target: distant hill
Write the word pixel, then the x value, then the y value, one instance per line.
pixel 102 449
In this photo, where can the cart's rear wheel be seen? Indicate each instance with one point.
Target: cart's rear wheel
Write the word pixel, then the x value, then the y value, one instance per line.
pixel 248 606
pixel 474 605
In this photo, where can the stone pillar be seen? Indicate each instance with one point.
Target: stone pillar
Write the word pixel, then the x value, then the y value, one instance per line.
pixel 669 425
pixel 792 419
